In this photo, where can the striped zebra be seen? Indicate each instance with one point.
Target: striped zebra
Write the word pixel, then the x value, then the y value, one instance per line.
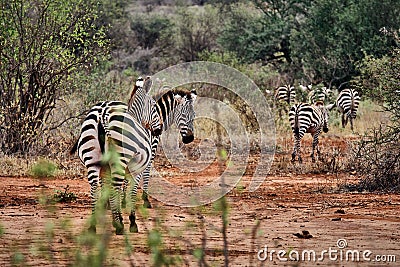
pixel 286 93
pixel 141 104
pixel 173 106
pixel 306 118
pixel 110 127
pixel 319 95
pixel 285 96
pixel 347 103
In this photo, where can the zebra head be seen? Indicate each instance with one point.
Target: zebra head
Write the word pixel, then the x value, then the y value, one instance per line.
pixel 184 114
pixel 143 107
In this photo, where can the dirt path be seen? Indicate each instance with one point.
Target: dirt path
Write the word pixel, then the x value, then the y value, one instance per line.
pixel 286 208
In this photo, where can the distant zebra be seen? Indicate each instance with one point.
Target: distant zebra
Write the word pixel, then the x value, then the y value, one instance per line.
pixel 286 93
pixel 320 94
pixel 174 106
pixel 347 103
pixel 285 96
pixel 306 118
pixel 109 126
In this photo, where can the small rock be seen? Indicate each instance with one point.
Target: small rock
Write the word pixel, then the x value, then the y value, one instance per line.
pixel 304 234
pixel 340 211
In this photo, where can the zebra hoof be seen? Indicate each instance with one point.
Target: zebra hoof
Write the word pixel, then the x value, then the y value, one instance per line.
pixel 119 228
pixel 133 228
pixel 92 229
pixel 147 205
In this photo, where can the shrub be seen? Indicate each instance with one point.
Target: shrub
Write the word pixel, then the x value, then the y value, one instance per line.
pixel 44 168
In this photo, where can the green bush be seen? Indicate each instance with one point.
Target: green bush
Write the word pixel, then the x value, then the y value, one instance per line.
pixel 44 168
pixel 64 196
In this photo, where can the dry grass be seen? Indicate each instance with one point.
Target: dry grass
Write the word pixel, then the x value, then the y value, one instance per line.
pixel 334 145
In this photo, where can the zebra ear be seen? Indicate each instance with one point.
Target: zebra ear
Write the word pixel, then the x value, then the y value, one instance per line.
pixel 147 84
pixel 139 82
pixel 193 94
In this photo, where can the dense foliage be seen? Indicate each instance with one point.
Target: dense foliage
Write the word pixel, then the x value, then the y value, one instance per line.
pixel 377 155
pixel 50 48
pixel 41 44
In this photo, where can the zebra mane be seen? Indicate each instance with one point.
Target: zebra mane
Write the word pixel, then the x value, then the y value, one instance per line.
pixel 140 83
pixel 181 92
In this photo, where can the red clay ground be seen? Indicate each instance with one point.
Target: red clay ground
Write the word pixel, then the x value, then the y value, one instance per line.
pixel 285 206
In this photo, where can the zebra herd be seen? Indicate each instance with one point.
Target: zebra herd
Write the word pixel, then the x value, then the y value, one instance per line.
pixel 313 117
pixel 132 131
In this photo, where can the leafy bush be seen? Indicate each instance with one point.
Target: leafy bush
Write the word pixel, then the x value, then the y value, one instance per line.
pixel 44 168
pixel 42 42
pixel 64 196
pixel 149 29
pixel 377 155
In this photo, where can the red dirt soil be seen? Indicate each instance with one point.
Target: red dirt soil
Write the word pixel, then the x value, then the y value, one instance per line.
pixel 286 207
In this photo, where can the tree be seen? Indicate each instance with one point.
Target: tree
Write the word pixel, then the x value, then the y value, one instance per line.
pixel 41 43
pixel 377 155
pixel 196 32
pixel 260 31
pixel 335 34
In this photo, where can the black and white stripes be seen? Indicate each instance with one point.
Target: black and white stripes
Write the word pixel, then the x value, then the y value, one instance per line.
pixel 140 105
pixel 347 103
pixel 320 94
pixel 286 94
pixel 174 107
pixel 306 118
pixel 110 127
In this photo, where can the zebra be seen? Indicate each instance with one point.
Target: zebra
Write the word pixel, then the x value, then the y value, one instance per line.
pixel 320 94
pixel 285 96
pixel 347 103
pixel 109 126
pixel 174 106
pixel 140 106
pixel 306 118
pixel 286 93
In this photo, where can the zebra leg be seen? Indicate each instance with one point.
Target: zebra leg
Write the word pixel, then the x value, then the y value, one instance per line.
pixel 145 194
pixel 351 123
pixel 296 150
pixel 115 200
pixel 294 153
pixel 133 228
pixel 344 120
pixel 315 145
pixel 94 181
pixel 124 187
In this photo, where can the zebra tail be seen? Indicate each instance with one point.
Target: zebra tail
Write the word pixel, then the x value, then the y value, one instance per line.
pixel 73 149
pixel 296 126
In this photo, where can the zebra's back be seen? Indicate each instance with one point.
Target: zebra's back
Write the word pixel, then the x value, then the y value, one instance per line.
pixel 348 102
pixel 304 118
pixel 286 94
